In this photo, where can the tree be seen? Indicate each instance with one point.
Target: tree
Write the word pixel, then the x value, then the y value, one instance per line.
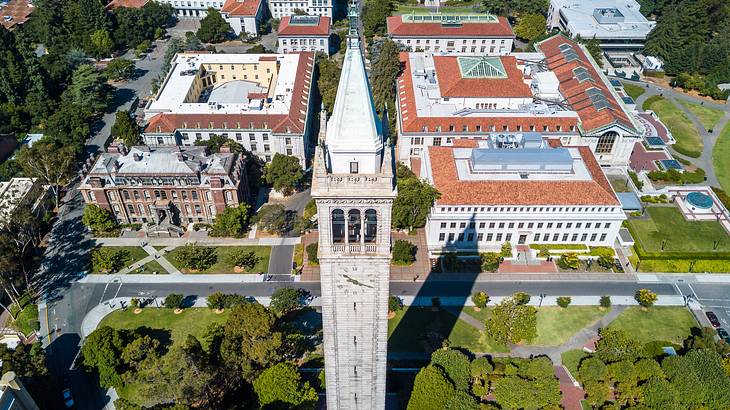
pixel 530 27
pixel 52 165
pixel 285 173
pixel 506 250
pixel 216 300
pixel 213 27
pixel 272 218
pixel 413 203
pixel 512 392
pixel 615 345
pixel 480 299
pixel 497 7
pixel 404 252
pixel 645 297
pixel 88 89
pixel 431 389
pixel 174 301
pixel 328 80
pixel 456 366
pixel 244 259
pixel 605 302
pixel 251 341
pixel 138 25
pixel 395 304
pixel 281 385
pixel 569 261
pixel 622 372
pixel 385 70
pixel 196 257
pixel 592 369
pixel 647 369
pixel 462 400
pixel 596 392
pixel 119 69
pixel 108 260
pixel 125 129
pixel 374 15
pixel 232 222
pixel 98 219
pixel 564 301
pixel 512 322
pixel 285 300
pixel 102 352
pixel 489 261
pixel 101 43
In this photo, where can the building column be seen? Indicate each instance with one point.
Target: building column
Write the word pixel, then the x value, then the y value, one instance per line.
pixel 363 229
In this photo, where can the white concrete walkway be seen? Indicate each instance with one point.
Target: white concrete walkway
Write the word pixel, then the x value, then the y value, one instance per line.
pixel 175 242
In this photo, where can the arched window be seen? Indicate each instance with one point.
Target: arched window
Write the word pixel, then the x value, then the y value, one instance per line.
pixel 371 225
pixel 338 226
pixel 353 225
pixel 606 142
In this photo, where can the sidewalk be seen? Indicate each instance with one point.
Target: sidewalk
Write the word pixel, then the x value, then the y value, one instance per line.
pixel 194 278
pixel 207 241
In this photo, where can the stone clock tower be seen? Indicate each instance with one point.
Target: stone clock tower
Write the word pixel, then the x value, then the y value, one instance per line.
pixel 354 187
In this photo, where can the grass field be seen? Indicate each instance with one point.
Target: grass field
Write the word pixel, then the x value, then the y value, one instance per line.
pixel 721 158
pixel 421 330
pixel 668 224
pixel 223 265
pixel 688 138
pixel 684 265
pixel 164 322
pixel 555 325
pixel 634 91
pixel 134 254
pixel 668 323
pixel 707 116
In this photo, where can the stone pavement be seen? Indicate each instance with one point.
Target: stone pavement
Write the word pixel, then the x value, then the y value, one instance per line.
pixel 422 265
pixel 154 255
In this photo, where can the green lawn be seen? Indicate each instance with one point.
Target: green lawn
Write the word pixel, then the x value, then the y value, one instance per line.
pixel 721 158
pixel 555 325
pixel 571 359
pixel 134 254
pixel 668 323
pixel 192 321
pixel 634 91
pixel 684 265
pixel 707 116
pixel 422 328
pixel 688 138
pixel 667 223
pixel 224 265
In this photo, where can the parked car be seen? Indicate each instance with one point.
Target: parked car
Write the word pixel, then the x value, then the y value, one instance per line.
pixel 617 266
pixel 712 317
pixel 68 397
pixel 723 335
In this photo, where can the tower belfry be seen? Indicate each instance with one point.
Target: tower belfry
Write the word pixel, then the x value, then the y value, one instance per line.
pixel 354 188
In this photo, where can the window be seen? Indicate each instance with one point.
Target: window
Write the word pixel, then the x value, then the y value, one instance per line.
pixel 603 237
pixel 583 237
pixel 125 194
pixel 194 195
pixel 501 225
pixel 353 225
pixel 499 237
pixel 130 208
pixel 546 237
pixel 371 225
pixel 593 237
pixel 481 225
pixel 508 237
pixel 480 237
pixel 462 225
pixel 338 226
pixel 489 237
pixel 461 237
pixel 451 237
pixel 565 237
pixel 437 142
pixel 443 225
pixel 136 195
pixel 453 225
pixel 442 237
pixel 470 237
pixel 605 142
pixel 353 168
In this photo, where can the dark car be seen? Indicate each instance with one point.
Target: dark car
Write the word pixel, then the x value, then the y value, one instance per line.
pixel 712 317
pixel 617 266
pixel 723 335
pixel 68 397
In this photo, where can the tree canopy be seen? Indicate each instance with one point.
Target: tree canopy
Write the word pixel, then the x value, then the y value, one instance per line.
pixel 281 384
pixel 512 322
pixel 413 203
pixel 284 173
pixel 213 27
pixel 232 222
pixel 125 129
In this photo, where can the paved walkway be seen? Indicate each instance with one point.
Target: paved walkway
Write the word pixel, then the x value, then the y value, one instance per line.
pixel 202 240
pixel 459 313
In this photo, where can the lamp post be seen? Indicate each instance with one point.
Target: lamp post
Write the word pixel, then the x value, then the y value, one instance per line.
pixel 664 242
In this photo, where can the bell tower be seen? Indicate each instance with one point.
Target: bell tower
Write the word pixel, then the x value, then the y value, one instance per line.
pixel 354 187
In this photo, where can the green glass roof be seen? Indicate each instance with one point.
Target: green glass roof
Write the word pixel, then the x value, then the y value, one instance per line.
pixel 481 67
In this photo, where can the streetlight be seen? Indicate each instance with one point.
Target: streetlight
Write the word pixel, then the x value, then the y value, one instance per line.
pixel 664 242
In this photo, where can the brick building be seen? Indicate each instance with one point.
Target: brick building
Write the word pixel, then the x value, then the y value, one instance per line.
pixel 166 186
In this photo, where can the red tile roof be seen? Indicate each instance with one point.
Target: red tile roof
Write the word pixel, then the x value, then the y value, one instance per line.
pixel 398 28
pixel 575 92
pixel 454 191
pixel 412 123
pixel 19 10
pixel 241 7
pixel 132 4
pixel 452 84
pixel 295 120
pixel 321 29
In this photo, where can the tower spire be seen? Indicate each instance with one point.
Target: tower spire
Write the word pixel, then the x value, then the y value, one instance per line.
pixel 353 35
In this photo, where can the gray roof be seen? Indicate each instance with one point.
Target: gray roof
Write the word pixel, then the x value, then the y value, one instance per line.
pixel 629 201
pixel 557 159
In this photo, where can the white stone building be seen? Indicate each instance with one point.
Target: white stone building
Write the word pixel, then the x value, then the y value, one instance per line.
pixel 617 24
pixel 193 8
pixel 517 188
pixel 281 8
pixel 304 33
pixel 560 94
pixel 19 192
pixel 453 33
pixel 354 188
pixel 244 16
pixel 261 101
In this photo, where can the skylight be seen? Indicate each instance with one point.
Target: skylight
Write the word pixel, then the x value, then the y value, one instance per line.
pixel 481 67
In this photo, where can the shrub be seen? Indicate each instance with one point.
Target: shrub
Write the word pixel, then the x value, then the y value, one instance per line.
pixel 404 252
pixel 174 301
pixel 489 261
pixel 395 303
pixel 134 303
pixel 521 298
pixel 605 301
pixel 480 299
pixel 564 301
pixel 506 250
pixel 312 250
pixel 645 297
pixel 635 179
pixel 569 261
pixel 605 256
